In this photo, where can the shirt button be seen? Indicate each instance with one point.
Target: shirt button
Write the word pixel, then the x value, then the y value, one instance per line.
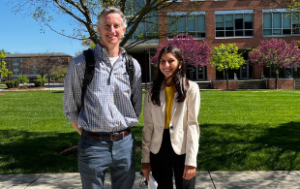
pixel 171 127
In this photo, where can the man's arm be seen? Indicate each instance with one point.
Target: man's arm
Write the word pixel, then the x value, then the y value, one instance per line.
pixel 136 93
pixel 75 125
pixel 72 95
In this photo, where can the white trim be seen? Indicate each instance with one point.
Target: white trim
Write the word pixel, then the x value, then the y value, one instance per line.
pixel 234 12
pixel 186 13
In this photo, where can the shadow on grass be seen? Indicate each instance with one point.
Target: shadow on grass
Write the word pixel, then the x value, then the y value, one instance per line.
pixel 58 92
pixel 32 152
pixel 222 147
pixel 249 147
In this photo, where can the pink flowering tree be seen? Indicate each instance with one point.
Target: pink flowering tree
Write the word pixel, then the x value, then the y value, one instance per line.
pixel 276 54
pixel 193 53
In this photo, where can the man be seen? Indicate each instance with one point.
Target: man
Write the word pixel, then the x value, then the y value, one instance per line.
pixel 111 106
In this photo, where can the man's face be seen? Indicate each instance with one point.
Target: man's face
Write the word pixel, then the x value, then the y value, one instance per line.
pixel 111 30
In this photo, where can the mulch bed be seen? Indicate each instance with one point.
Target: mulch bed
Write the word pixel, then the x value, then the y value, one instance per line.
pixel 29 88
pixel 70 151
pixel 2 94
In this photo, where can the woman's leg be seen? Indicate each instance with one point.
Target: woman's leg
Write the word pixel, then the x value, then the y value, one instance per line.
pixel 161 164
pixel 178 162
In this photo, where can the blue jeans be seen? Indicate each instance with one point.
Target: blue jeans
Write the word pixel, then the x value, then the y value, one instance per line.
pixel 96 155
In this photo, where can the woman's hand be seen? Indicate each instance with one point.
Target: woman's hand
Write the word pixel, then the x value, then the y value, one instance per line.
pixel 189 172
pixel 146 168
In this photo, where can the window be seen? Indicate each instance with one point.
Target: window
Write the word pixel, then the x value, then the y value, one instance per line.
pixel 22 66
pixel 16 72
pixel 148 27
pixel 277 22
pixel 34 72
pixel 8 66
pixel 15 60
pixel 16 66
pixel 237 23
pixel 23 72
pixel 192 23
pixel 7 60
pixel 27 71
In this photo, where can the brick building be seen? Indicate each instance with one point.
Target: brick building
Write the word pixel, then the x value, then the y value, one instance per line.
pixel 16 63
pixel 244 22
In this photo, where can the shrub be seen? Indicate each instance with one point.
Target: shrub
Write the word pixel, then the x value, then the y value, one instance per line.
pixel 16 83
pixel 10 84
pixel 40 81
pixel 23 78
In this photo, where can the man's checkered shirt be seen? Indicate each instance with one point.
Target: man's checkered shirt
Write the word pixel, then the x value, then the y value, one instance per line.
pixel 110 104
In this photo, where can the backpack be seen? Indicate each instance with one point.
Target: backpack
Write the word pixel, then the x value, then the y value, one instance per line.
pixel 90 70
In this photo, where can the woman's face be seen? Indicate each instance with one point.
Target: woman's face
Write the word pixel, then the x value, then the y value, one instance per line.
pixel 168 64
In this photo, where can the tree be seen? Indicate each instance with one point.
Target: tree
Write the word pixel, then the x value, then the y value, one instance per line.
pixel 40 64
pixel 276 54
pixel 84 13
pixel 60 68
pixel 5 52
pixel 226 57
pixel 23 79
pixel 3 70
pixel 193 53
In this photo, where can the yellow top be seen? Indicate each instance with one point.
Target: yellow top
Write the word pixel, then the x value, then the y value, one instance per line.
pixel 170 93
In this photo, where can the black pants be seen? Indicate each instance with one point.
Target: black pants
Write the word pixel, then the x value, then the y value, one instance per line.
pixel 165 162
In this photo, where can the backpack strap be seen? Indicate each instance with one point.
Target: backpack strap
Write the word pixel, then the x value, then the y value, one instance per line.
pixel 129 67
pixel 88 73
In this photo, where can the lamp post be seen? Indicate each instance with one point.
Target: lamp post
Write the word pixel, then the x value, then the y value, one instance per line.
pixel 146 65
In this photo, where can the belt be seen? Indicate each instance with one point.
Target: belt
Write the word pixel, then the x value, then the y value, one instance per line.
pixel 106 136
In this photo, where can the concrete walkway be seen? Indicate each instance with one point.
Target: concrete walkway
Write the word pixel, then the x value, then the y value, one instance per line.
pixel 222 180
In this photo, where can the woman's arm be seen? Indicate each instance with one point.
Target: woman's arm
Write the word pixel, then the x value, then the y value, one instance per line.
pixel 147 136
pixel 193 130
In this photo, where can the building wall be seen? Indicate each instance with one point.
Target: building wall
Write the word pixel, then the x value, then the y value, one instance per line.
pixel 210 7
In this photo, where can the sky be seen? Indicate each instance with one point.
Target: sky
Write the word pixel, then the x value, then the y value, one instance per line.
pixel 21 34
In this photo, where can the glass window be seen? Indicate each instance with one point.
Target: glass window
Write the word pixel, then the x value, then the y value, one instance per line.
pixel 234 23
pixel 193 23
pixel 15 60
pixel 278 22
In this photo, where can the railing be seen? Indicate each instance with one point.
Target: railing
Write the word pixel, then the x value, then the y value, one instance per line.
pixel 289 74
pixel 210 82
pixel 264 79
pixel 236 79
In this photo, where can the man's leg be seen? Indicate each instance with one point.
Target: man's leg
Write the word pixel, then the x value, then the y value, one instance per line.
pixel 123 165
pixel 94 157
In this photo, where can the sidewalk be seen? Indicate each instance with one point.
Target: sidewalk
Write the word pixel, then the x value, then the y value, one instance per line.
pixel 222 180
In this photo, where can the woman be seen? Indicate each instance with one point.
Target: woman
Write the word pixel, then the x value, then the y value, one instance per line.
pixel 171 131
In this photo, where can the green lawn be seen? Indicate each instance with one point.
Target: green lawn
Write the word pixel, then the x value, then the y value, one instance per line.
pixel 240 130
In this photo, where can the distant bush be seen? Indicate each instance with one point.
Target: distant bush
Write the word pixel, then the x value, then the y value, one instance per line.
pixel 40 81
pixel 11 84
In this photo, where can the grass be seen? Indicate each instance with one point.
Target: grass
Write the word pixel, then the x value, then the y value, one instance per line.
pixel 240 130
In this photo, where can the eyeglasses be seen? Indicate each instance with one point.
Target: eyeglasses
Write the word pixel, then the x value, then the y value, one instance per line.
pixel 143 180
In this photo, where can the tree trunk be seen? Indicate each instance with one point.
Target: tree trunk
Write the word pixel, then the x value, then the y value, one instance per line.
pixel 227 85
pixel 277 78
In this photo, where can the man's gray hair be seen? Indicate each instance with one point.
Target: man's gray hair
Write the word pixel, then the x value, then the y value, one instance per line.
pixel 108 10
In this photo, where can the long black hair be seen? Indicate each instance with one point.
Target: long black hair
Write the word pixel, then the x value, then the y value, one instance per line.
pixel 178 77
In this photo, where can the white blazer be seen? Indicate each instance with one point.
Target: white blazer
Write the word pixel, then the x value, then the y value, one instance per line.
pixel 184 128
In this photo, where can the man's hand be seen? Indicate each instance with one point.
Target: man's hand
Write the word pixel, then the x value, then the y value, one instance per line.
pixel 146 168
pixel 189 172
pixel 75 125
